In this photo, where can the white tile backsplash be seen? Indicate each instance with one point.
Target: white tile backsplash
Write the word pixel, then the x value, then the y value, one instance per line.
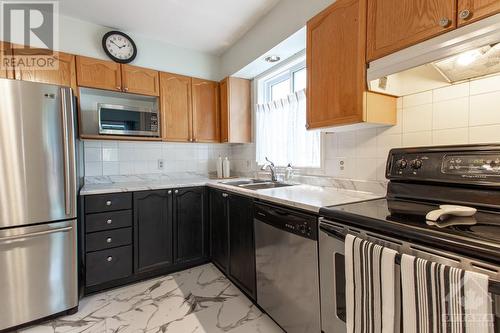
pixel 452 92
pixel 460 114
pixel 417 118
pixel 127 158
pixel 485 109
pixel 417 99
pixel 452 113
pixel 486 85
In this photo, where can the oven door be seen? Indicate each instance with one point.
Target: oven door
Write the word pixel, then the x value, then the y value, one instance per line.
pixel 128 120
pixel 332 277
pixel 332 270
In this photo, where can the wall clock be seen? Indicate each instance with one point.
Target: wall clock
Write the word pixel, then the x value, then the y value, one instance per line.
pixel 119 47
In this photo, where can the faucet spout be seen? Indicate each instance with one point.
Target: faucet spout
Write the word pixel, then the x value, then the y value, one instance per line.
pixel 270 165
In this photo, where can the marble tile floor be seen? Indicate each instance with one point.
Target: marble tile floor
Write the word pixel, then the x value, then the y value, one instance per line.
pixel 198 300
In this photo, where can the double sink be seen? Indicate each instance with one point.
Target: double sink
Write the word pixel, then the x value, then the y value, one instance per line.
pixel 257 184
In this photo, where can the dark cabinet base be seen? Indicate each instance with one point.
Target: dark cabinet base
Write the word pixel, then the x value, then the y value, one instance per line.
pixel 152 233
pixel 144 276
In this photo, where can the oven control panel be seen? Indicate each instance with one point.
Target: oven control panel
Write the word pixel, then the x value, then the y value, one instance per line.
pixel 454 164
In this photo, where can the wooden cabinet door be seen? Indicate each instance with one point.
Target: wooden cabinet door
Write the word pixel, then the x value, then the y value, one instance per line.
pixel 474 10
pixel 139 80
pixel 236 114
pixel 175 100
pixel 64 75
pixel 336 64
pixel 152 230
pixel 241 243
pixel 396 24
pixel 219 240
pixel 5 53
pixel 190 228
pixel 100 74
pixel 206 124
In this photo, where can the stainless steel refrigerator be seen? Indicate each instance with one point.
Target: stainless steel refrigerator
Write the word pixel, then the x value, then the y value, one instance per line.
pixel 38 193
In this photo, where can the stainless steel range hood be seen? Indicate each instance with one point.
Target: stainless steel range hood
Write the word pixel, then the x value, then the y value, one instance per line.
pixel 465 53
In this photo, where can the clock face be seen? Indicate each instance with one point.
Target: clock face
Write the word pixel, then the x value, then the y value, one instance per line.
pixel 119 47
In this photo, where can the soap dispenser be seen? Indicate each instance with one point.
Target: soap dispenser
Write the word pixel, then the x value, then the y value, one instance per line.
pixel 226 168
pixel 219 167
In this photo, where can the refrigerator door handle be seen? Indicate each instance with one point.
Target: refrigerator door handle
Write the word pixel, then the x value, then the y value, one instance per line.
pixel 68 149
pixel 35 234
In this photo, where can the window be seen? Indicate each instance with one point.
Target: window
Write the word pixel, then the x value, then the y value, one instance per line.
pixel 281 118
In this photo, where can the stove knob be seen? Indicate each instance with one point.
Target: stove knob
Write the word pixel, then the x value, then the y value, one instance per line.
pixel 416 164
pixel 402 163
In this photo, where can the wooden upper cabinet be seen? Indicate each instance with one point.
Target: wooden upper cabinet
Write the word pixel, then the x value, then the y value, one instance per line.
pixel 474 10
pixel 236 115
pixel 396 24
pixel 5 52
pixel 336 64
pixel 206 123
pixel 100 74
pixel 64 75
pixel 176 107
pixel 336 82
pixel 140 80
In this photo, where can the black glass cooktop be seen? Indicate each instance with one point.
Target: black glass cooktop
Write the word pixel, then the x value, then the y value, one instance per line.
pixel 405 219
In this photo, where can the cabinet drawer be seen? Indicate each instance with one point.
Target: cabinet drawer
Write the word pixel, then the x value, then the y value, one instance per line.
pixel 108 220
pixel 108 265
pixel 108 239
pixel 108 202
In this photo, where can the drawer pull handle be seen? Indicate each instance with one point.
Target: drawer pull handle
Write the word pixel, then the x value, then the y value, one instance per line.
pixel 108 203
pixel 110 259
pixel 109 221
pixel 225 195
pixel 108 240
pixel 170 192
pixel 176 191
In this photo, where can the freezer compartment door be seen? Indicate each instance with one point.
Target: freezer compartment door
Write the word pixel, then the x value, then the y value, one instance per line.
pixel 38 266
pixel 37 153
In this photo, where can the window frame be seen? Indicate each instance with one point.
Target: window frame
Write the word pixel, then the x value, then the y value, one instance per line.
pixel 262 94
pixel 285 74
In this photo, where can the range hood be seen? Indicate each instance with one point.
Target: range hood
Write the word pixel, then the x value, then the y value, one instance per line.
pixel 465 53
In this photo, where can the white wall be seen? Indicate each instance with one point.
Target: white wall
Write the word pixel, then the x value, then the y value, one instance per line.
pixel 111 158
pixel 287 17
pixel 84 38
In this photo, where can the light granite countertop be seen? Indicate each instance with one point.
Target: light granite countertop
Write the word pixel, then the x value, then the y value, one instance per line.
pixel 301 196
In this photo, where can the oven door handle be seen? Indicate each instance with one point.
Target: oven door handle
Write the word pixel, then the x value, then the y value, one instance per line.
pixel 332 233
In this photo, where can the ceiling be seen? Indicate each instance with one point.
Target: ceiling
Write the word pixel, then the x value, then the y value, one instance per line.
pixel 209 26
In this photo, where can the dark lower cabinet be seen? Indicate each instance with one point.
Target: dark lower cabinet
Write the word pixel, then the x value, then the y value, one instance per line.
pixel 153 246
pixel 241 243
pixel 219 230
pixel 233 248
pixel 191 234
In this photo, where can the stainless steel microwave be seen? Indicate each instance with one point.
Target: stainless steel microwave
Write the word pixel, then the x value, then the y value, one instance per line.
pixel 128 120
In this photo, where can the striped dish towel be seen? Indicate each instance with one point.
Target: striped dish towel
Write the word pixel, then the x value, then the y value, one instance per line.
pixel 438 298
pixel 372 287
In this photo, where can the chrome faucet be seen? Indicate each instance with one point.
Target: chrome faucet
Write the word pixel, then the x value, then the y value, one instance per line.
pixel 270 165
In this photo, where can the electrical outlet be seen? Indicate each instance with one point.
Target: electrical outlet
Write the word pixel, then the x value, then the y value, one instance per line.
pixel 161 164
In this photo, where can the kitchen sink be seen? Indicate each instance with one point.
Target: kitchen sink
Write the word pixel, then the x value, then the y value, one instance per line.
pixel 262 186
pixel 256 184
pixel 246 182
